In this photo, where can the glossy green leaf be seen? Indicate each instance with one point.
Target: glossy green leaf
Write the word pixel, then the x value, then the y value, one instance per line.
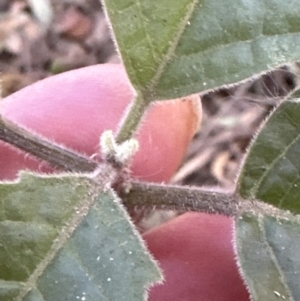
pixel 268 252
pixel 63 238
pixel 272 168
pixel 186 46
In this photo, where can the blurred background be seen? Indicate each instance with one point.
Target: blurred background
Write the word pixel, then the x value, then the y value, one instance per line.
pixel 40 38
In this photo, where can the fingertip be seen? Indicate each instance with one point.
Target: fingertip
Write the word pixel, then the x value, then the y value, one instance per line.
pixel 197 258
pixel 164 136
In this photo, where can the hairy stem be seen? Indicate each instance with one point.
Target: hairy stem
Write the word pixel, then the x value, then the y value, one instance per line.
pixel 132 120
pixel 57 156
pixel 180 198
pixel 141 194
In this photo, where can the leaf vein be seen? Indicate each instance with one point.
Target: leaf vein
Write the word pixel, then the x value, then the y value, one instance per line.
pixel 273 257
pixel 61 240
pixel 220 47
pixel 171 51
pixel 268 170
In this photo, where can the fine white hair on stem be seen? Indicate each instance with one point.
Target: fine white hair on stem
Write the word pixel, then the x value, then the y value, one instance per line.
pixel 122 152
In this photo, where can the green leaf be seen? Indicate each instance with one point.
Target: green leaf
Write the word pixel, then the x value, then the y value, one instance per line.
pixel 296 93
pixel 63 238
pixel 272 168
pixel 177 49
pixel 268 251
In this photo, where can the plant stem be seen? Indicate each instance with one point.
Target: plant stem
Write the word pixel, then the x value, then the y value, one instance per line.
pixel 180 198
pixel 132 120
pixel 141 194
pixel 57 156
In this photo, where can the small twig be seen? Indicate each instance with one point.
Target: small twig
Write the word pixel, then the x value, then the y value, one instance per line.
pixel 132 120
pixel 140 195
pixel 180 198
pixel 57 156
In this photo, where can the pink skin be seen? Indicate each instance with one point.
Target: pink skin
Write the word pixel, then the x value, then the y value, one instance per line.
pixel 74 108
pixel 196 254
pixel 194 250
